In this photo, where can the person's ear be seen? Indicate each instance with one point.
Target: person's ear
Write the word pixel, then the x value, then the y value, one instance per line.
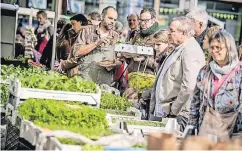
pixel 102 16
pixel 154 20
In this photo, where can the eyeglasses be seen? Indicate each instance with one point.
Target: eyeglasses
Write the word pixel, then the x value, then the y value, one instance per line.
pixel 144 20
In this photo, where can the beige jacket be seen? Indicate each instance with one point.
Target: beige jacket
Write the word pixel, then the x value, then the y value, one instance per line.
pixel 179 80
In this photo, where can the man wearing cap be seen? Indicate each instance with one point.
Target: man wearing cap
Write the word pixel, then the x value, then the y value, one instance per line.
pixel 87 48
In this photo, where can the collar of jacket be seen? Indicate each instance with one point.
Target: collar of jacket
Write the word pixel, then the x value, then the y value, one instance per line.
pixel 201 37
pixel 185 43
pixel 97 30
pixel 153 29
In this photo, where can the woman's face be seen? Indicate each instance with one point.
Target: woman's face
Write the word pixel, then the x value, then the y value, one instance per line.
pixel 160 47
pixel 41 19
pixel 219 52
pixel 205 43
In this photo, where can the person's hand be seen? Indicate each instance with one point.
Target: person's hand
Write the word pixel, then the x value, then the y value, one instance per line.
pixel 104 40
pixel 59 69
pixel 142 101
pixel 151 61
pixel 139 58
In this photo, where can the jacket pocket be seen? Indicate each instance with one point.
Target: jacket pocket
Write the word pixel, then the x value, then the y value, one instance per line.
pixel 176 70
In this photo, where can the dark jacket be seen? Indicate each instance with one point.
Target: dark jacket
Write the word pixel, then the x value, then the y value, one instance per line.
pixel 201 37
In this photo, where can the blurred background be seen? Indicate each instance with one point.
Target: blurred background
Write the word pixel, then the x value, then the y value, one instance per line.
pixel 226 13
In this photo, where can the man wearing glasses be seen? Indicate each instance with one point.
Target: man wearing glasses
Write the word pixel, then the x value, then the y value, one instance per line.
pixel 148 28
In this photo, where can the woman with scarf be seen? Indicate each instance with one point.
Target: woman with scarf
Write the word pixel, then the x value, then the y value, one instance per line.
pixel 216 107
pixel 43 32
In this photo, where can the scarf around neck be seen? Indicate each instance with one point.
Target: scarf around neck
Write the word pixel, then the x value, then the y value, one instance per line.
pixel 44 26
pixel 221 71
pixel 151 30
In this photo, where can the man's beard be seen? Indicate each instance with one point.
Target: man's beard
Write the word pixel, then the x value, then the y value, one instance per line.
pixel 106 26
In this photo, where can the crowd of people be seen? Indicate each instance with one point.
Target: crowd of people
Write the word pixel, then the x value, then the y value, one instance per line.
pixel 197 68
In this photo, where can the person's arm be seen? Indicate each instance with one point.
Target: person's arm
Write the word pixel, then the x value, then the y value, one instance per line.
pixel 191 66
pixel 85 49
pixel 195 105
pixel 81 40
pixel 239 124
pixel 67 48
pixel 240 99
pixel 51 30
pixel 68 64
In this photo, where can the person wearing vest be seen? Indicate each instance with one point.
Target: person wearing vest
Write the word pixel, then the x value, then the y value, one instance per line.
pixel 88 50
pixel 78 22
pixel 216 106
pixel 148 28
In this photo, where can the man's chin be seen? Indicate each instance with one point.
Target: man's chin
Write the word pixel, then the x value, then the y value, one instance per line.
pixel 109 28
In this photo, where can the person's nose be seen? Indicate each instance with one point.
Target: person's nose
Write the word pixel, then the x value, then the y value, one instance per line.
pixel 156 47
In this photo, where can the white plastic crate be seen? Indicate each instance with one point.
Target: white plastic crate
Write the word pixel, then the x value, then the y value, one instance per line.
pixel 20 93
pixel 146 129
pixel 171 126
pixel 131 128
pixel 52 143
pixel 49 141
pixel 30 132
pixel 2 108
pixel 134 49
pixel 110 116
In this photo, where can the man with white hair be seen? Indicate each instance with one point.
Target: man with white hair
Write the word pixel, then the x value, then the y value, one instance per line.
pixel 199 18
pixel 177 75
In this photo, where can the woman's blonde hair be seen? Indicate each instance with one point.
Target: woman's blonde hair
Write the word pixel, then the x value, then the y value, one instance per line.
pixel 162 36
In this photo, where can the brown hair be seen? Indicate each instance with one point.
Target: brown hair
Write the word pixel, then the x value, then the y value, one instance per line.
pixel 150 10
pixel 162 36
pixel 43 13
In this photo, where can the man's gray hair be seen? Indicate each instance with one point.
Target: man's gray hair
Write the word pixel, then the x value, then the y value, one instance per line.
pixel 199 15
pixel 185 25
pixel 225 37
